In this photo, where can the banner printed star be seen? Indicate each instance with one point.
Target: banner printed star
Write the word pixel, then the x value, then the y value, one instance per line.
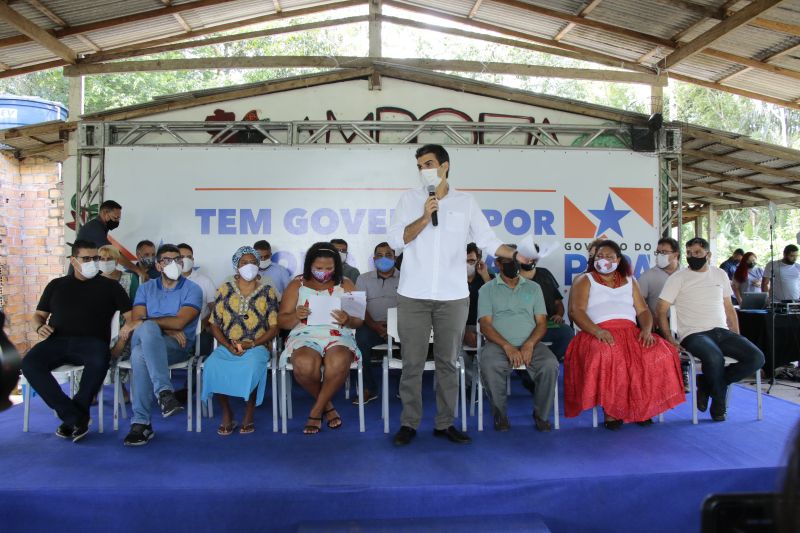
pixel 609 217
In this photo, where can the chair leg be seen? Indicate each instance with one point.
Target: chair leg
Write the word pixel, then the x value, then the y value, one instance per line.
pixel 594 417
pixel 693 389
pixel 660 418
pixel 463 395
pixel 347 386
pixel 385 398
pixel 274 398
pixel 26 408
pixel 360 389
pixel 117 387
pixel 198 404
pixel 283 401
pixel 479 378
pixel 556 414
pixel 189 396
pixel 100 407
pixel 288 392
pixel 760 414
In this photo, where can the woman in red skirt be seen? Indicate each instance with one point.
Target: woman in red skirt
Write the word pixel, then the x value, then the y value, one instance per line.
pixel 633 374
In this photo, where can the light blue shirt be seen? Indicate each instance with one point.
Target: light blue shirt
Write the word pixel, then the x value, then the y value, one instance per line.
pixel 279 275
pixel 161 302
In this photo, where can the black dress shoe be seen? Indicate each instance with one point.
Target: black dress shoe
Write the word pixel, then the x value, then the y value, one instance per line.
pixel 404 436
pixel 718 409
pixel 702 394
pixel 501 423
pixel 453 435
pixel 541 425
pixel 65 431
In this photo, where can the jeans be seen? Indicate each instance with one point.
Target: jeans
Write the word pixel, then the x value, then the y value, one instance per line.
pixel 55 351
pixel 366 338
pixel 151 354
pixel 560 338
pixel 712 346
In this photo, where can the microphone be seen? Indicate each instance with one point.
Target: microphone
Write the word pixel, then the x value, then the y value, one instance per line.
pixel 434 215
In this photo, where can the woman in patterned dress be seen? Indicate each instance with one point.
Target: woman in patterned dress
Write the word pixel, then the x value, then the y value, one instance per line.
pixel 312 347
pixel 244 321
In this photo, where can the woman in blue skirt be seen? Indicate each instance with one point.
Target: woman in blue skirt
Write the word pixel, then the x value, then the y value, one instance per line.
pixel 244 320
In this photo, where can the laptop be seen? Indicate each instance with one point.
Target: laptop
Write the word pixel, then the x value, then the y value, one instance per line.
pixel 754 300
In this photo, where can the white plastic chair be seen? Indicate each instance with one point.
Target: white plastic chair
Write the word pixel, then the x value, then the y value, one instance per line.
pixel 272 368
pixel 182 365
pixel 392 363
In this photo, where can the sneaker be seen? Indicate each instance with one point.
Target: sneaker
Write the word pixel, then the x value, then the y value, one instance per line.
pixel 139 435
pixel 368 397
pixel 169 403
pixel 80 430
pixel 64 431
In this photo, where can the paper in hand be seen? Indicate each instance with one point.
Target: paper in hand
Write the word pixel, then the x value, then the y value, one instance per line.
pixel 321 307
pixel 355 303
pixel 527 247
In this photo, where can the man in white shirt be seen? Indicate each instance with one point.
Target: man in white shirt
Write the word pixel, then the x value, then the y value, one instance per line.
pixel 209 294
pixel 432 224
pixel 708 327
pixel 668 254
pixel 787 276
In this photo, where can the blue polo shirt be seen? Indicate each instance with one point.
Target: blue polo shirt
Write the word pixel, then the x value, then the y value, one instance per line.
pixel 161 302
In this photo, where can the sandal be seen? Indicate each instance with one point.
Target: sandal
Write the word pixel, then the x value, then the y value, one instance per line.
pixel 332 421
pixel 311 429
pixel 224 431
pixel 246 429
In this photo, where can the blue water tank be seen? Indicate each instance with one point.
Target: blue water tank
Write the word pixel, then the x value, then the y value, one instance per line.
pixel 18 111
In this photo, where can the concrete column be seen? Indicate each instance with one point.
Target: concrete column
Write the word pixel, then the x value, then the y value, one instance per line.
pixel 76 97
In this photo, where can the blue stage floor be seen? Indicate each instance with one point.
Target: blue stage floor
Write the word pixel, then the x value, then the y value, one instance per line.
pixel 575 479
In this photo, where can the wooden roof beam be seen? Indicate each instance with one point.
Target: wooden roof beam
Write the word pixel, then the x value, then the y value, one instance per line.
pixel 44 10
pixel 697 45
pixel 474 10
pixel 740 163
pixel 278 6
pixel 733 90
pixel 588 8
pixel 775 25
pixel 36 33
pixel 716 187
pixel 88 42
pixel 182 21
pixel 739 179
pixel 743 143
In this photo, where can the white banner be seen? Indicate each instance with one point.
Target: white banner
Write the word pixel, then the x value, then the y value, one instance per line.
pixel 219 198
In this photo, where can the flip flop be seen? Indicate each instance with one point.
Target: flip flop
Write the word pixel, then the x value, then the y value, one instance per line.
pixel 331 422
pixel 246 429
pixel 310 429
pixel 225 431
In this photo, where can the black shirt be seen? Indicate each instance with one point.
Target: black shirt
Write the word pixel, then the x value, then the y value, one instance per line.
pixel 94 231
pixel 83 308
pixel 474 286
pixel 549 287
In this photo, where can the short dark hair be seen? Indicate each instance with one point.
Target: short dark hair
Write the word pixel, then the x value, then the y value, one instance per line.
pixel 144 243
pixel 473 248
pixel 790 248
pixel 109 205
pixel 164 248
pixel 340 241
pixel 676 247
pixel 624 266
pixel 323 249
pixel 699 241
pixel 82 244
pixel 438 152
pixel 738 251
pixel 184 245
pixel 262 245
pixel 382 245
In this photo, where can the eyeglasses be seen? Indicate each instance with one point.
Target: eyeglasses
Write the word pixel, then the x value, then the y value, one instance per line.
pixel 87 258
pixel 187 257
pixel 167 260
pixel 659 252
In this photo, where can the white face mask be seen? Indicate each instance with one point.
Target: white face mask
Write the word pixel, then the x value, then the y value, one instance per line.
pixel 604 266
pixel 107 267
pixel 188 265
pixel 264 264
pixel 248 272
pixel 662 261
pixel 173 271
pixel 470 270
pixel 343 255
pixel 429 176
pixel 89 270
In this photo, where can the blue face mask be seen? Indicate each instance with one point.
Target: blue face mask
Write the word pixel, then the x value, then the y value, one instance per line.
pixel 384 264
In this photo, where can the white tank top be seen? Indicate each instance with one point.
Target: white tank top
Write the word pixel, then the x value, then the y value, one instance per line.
pixel 606 303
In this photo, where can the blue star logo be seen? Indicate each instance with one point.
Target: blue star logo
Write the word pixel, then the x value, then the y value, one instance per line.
pixel 609 217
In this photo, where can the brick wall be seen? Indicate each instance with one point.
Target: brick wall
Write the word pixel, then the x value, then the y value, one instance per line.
pixel 32 250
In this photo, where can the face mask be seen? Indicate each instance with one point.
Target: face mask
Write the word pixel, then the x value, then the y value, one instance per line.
pixel 510 269
pixel 751 264
pixel 264 264
pixel 173 271
pixel 107 267
pixel 384 264
pixel 188 265
pixel 604 266
pixel 89 270
pixel 696 263
pixel 429 176
pixel 148 261
pixel 470 270
pixel 322 276
pixel 343 255
pixel 112 224
pixel 248 272
pixel 662 261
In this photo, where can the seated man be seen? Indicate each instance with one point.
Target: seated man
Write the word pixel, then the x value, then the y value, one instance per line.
pixel 272 274
pixel 146 257
pixel 165 316
pixel 209 295
pixel 708 326
pixel 651 282
pixel 73 319
pixel 477 275
pixel 513 318
pixel 381 288
pixel 349 271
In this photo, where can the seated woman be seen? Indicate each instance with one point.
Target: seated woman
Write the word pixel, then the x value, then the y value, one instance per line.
pixel 747 277
pixel 311 347
pixel 631 373
pixel 243 321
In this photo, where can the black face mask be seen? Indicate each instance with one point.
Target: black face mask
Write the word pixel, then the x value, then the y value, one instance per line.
pixel 510 269
pixel 112 224
pixel 751 264
pixel 696 263
pixel 527 267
